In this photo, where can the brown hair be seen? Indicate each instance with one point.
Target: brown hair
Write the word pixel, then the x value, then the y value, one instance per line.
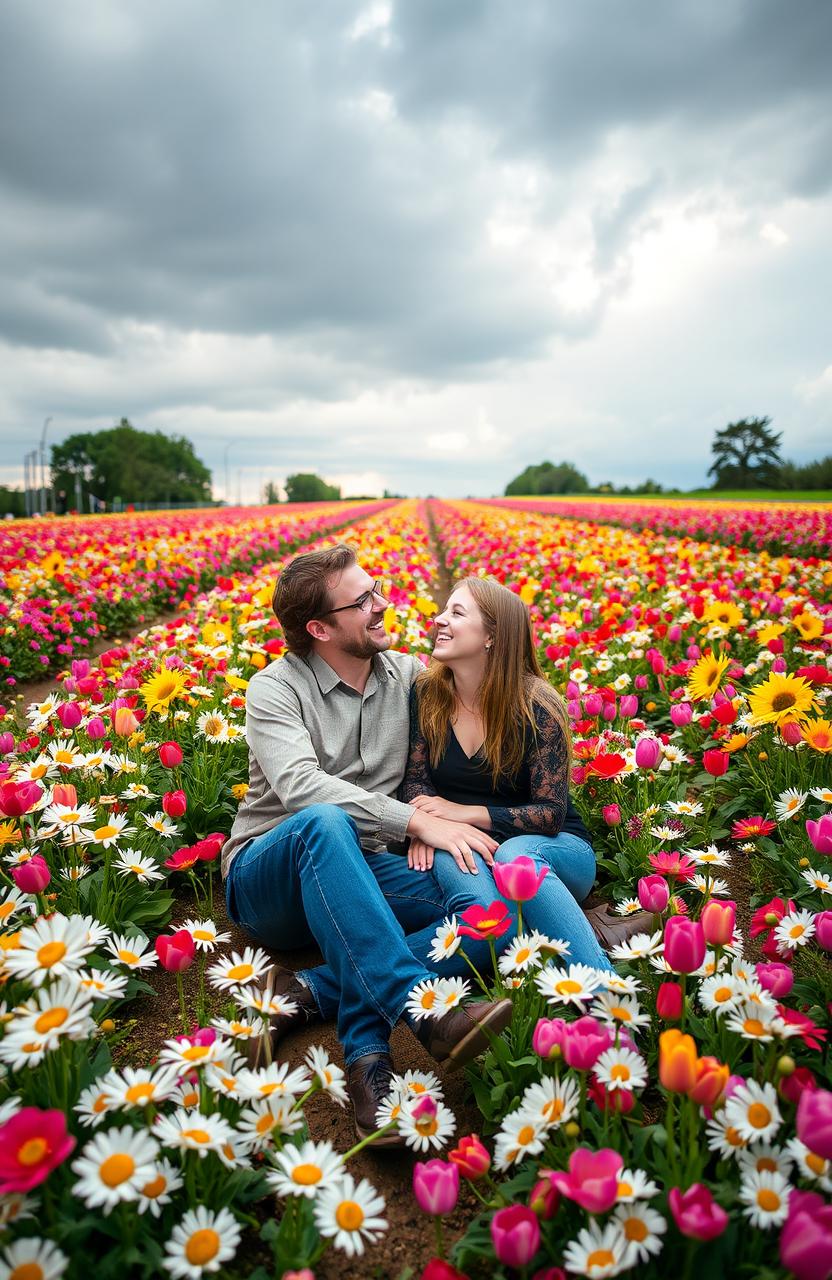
pixel 512 687
pixel 302 592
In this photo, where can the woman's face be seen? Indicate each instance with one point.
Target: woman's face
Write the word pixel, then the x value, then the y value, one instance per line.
pixel 459 630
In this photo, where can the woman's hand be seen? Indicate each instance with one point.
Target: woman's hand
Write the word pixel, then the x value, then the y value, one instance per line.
pixel 419 855
pixel 475 815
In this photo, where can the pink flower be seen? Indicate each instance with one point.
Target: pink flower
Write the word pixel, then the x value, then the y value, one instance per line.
pixel 437 1269
pixel 611 814
pixel 174 803
pixel 175 950
pixel 471 1158
pixel 669 1001
pixel 676 865
pixel 653 893
pixel 592 1180
pixel 823 929
pixel 518 880
pixel 776 978
pixel 585 1040
pixel 684 944
pixel 696 1213
pixel 436 1186
pixel 814 1121
pixel 820 834
pixel 681 714
pixel 32 1144
pixel 515 1235
pixel 549 1035
pixel 69 714
pixel 648 751
pixel 96 728
pixel 717 918
pixel 32 876
pixel 544 1197
pixel 806 1238
pixel 17 798
pixel 170 754
pixel 486 922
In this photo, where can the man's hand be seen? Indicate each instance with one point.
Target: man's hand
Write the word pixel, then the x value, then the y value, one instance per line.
pixel 475 815
pixel 419 855
pixel 460 839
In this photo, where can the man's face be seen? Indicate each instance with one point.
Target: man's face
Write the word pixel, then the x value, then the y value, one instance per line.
pixel 352 630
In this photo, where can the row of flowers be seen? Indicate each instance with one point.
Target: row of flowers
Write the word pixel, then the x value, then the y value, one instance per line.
pixel 803 529
pixel 64 583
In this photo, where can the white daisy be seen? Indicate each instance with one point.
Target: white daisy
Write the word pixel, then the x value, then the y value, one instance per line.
pixel 327 1074
pixel 710 857
pixel 426 1123
pixel 627 906
pixel 93 1105
pixel 350 1214
pixel 158 1190
pixel 818 880
pixel 809 1165
pixel 73 874
pixel 619 1011
pixel 213 726
pixel 752 1109
pixel 65 753
pixel 712 886
pixel 795 929
pixel 719 993
pixel 113 1166
pixel 201 1243
pixel 521 1134
pixel 724 1137
pixel 761 1157
pixel 205 934
pixel 190 1131
pixel 417 1084
pixel 17 1208
pixel 263 1001
pixel 446 941
pixel 624 984
pixel 766 1197
pixel 521 956
pixel 159 823
pixel 102 984
pixel 273 1081
pixel 145 869
pixel 643 1229
pixel 450 993
pixel 822 793
pixel 423 1000
pixel 134 953
pixel 599 1251
pixel 263 1120
pixel 238 970
pixel 32 1257
pixel 50 948
pixel 789 803
pixel 112 831
pixel 575 985
pixel 638 947
pixel 754 1021
pixel 687 808
pixel 137 1087
pixel 618 1068
pixel 551 1101
pixel 305 1170
pixel 61 1010
pixel 14 901
pixel 634 1184
pixel 237 1030
pixel 187 1056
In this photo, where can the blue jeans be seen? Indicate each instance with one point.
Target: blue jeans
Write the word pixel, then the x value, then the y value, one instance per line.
pixel 554 910
pixel 308 881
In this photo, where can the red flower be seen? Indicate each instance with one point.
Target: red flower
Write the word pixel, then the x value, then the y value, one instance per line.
pixel 748 828
pixel 182 860
pixel 32 1144
pixel 486 922
pixel 716 762
pixel 170 754
pixel 810 1033
pixel 769 915
pixel 675 864
pixel 17 798
pixel 607 766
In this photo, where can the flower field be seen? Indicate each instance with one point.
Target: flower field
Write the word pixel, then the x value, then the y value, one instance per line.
pixel 674 1114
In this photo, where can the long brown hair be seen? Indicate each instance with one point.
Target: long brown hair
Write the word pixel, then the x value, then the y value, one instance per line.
pixel 512 686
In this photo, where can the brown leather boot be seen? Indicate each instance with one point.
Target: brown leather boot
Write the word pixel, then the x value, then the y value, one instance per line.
pixel 463 1033
pixel 283 983
pixel 611 929
pixel 368 1084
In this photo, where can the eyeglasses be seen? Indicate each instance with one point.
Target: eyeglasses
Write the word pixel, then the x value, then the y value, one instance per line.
pixel 380 588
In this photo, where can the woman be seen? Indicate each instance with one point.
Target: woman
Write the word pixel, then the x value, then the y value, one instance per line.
pixel 489 745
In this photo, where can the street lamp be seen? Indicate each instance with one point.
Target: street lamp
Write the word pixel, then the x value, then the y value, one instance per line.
pixel 43 502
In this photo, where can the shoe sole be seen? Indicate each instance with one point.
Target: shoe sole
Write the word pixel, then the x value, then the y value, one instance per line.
pixel 477 1041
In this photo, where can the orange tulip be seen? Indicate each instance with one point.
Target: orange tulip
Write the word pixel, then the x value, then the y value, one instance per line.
pixel 711 1078
pixel 677 1061
pixel 124 722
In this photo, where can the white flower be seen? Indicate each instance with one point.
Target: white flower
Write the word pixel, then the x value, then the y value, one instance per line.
pixel 789 803
pixel 259 1123
pixel 627 906
pixel 599 1251
pixel 522 1134
pixel 755 1021
pixel 719 993
pixel 113 1166
pixel 186 1056
pixel 40 1259
pixel 16 1208
pixel 551 1101
pixel 446 941
pixel 752 1109
pixel 112 831
pixel 327 1074
pixel 274 1080
pixel 724 1137
pixel 795 929
pixel 761 1157
pixel 213 726
pixel 93 1105
pixel 634 1184
pixel 205 934
pixel 201 1243
pixel 15 900
pixel 305 1170
pixel 688 808
pixel 621 1069
pixel 102 984
pixel 159 823
pixel 710 857
pixel 619 1011
pixel 426 1123
pixel 137 1087
pixel 822 793
pixel 192 1131
pixel 134 953
pixel 350 1214
pixel 638 947
pixel 522 955
pixel 810 1165
pixel 50 948
pixel 57 1011
pixel 158 1190
pixel 818 880
pixel 423 1000
pixel 713 886
pixel 766 1197
pixel 73 874
pixel 417 1084
pixel 575 985
pixel 238 970
pixel 642 1227
pixel 235 1029
pixel 145 869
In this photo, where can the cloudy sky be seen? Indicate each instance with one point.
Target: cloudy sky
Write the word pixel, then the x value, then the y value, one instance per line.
pixel 417 244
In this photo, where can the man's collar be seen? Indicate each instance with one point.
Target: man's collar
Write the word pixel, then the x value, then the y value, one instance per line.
pixel 382 667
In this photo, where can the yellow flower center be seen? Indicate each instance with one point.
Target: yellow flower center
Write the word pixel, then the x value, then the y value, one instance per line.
pixel 427 1126
pixel 753 1027
pixel 50 954
pixel 620 1072
pixel 197 1135
pixel 239 972
pixel 117 1169
pixel 768 1200
pixel 69 817
pixel 567 987
pixel 100 1104
pixel 50 1019
pixel 522 955
pixel 635 1229
pixel 765 1164
pixel 526 1135
pixel 349 1215
pixel 306 1175
pixel 428 999
pixel 139 1093
pixel 152 1190
pixel 759 1115
pixel 196 1051
pixel 32 1151
pixel 624 1189
pixel 128 957
pixel 783 700
pixel 106 833
pixel 599 1258
pixel 722 994
pixel 816 1163
pixel 202 935
pixel 202 1247
pixel 797 931
pixel 27 1271
pixel 553 1110
pixel 733 1137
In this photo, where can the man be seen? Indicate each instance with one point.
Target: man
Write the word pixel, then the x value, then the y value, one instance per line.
pixel 327 728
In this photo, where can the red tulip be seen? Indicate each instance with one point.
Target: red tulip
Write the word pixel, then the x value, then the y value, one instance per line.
pixel 170 754
pixel 716 762
pixel 175 950
pixel 174 803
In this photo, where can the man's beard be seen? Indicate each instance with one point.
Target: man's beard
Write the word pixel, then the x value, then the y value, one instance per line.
pixel 368 645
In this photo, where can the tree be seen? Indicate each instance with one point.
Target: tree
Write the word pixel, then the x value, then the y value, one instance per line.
pixel 271 493
pixel 746 455
pixel 135 466
pixel 545 477
pixel 308 487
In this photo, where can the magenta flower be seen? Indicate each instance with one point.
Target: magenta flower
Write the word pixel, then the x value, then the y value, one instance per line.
pixel 718 917
pixel 684 944
pixel 653 893
pixel 584 1042
pixel 775 978
pixel 814 1121
pixel 32 876
pixel 518 880
pixel 436 1186
pixel 820 834
pixel 549 1034
pixel 515 1235
pixel 823 929
pixel 32 1144
pixel 696 1213
pixel 648 751
pixel 592 1180
pixel 806 1238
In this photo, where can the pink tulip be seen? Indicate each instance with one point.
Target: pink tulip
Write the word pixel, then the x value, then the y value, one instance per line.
pixel 820 834
pixel 174 803
pixel 823 929
pixel 653 893
pixel 791 731
pixel 640 682
pixel 170 754
pixel 648 751
pixel 681 714
pixel 608 711
pixel 6 743
pixel 303 1274
pixel 124 722
pixel 611 815
pixel 436 1186
pixel 585 1040
pixel 17 798
pixel 518 880
pixel 628 706
pixel 814 1121
pixel 32 876
pixel 515 1235
pixel 549 1037
pixel 775 978
pixel 32 1144
pixel 96 728
pixel 544 1199
pixel 791 1087
pixel 175 950
pixel 806 1238
pixel 69 714
pixel 592 1180
pixel 696 1213
pixel 593 704
pixel 684 944
pixel 718 917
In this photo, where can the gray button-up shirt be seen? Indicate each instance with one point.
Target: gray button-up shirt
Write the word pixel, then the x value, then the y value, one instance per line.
pixel 314 740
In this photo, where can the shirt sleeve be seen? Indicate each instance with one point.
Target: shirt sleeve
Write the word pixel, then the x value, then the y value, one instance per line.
pixel 280 740
pixel 548 762
pixel 417 777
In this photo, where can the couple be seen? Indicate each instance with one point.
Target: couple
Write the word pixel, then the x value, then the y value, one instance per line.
pixel 336 781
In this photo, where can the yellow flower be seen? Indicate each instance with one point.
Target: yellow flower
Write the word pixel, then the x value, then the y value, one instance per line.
pixel 704 679
pixel 818 734
pixel 53 564
pixel 161 689
pixel 528 592
pixel 809 625
pixel 9 834
pixel 216 633
pixel 239 790
pixel 781 698
pixel 722 613
pixel 235 682
pixel 736 742
pixel 771 631
pixel 426 606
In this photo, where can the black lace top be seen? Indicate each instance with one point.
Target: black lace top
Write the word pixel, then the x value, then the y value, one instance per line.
pixel 535 802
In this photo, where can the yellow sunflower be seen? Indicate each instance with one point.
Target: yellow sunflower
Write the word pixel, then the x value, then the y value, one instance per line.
pixel 216 633
pixel 818 734
pixel 809 625
pixel 161 689
pixel 771 631
pixel 781 698
pixel 10 833
pixel 722 613
pixel 704 679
